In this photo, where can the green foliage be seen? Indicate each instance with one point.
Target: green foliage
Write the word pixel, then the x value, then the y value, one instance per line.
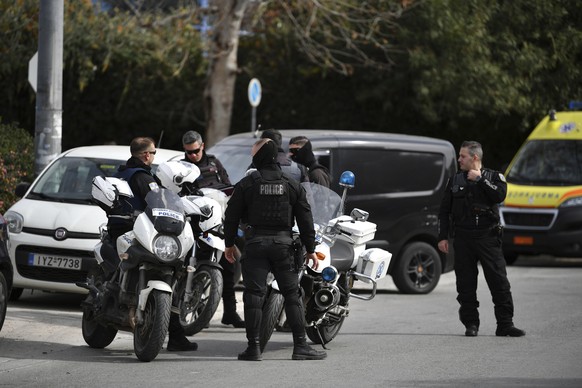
pixel 16 162
pixel 125 75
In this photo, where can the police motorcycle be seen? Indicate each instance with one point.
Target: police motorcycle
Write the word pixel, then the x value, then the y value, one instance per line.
pixel 132 289
pixel 343 260
pixel 198 290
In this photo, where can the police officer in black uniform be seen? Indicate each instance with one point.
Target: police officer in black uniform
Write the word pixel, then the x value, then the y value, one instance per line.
pixel 268 201
pixel 214 175
pixel 470 209
pixel 137 172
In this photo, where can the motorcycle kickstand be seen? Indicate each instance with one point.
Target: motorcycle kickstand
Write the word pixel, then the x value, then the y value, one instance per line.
pixel 321 338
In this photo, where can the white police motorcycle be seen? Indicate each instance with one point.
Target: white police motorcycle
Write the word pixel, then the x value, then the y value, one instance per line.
pixel 137 296
pixel 344 259
pixel 198 291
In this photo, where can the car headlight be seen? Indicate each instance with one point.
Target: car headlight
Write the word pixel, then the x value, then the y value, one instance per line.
pixel 15 221
pixel 329 274
pixel 166 248
pixel 575 201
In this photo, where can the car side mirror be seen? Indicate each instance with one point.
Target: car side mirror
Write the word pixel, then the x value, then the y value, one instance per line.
pixel 21 189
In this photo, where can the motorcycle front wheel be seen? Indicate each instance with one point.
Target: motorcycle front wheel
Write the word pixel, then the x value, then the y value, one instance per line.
pixel 272 310
pixel 196 314
pixel 95 334
pixel 324 333
pixel 149 337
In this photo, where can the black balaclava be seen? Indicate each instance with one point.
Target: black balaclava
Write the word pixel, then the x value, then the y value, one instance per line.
pixel 304 155
pixel 266 155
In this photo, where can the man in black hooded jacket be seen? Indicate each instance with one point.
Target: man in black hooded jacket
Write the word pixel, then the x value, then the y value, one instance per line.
pixel 268 201
pixel 301 152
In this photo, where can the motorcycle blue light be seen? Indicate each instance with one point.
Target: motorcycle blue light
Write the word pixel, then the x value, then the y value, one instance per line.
pixel 329 274
pixel 347 179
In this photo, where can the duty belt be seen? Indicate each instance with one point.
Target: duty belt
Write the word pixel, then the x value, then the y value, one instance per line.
pixel 268 232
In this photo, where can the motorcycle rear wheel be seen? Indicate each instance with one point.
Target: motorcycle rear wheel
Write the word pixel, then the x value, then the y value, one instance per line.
pixel 272 310
pixel 207 291
pixel 323 334
pixel 149 337
pixel 95 334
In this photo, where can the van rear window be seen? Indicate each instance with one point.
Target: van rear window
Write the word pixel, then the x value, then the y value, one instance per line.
pixel 391 171
pixel 548 163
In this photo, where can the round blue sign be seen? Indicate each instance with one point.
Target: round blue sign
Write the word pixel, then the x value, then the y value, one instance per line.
pixel 255 92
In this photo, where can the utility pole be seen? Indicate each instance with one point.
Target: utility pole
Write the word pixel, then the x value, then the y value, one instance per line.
pixel 49 97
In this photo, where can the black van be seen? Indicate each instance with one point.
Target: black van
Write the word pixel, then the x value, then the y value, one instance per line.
pixel 400 180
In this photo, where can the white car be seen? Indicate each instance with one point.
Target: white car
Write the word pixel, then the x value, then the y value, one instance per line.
pixel 55 226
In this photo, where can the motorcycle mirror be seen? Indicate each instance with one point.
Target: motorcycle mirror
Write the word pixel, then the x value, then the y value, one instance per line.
pixel 359 214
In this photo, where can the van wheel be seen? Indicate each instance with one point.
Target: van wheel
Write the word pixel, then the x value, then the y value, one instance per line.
pixel 418 269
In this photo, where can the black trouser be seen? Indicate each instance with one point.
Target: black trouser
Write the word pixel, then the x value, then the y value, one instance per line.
pixel 484 246
pixel 266 254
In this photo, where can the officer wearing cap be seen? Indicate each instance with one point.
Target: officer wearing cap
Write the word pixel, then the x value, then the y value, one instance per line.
pixel 470 209
pixel 268 201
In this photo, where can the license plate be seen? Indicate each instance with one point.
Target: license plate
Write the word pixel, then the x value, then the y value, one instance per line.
pixel 523 240
pixel 51 261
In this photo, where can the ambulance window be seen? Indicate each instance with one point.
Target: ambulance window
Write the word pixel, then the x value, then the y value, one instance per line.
pixel 548 163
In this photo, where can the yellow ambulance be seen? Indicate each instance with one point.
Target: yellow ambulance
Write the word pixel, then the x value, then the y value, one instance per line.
pixel 542 213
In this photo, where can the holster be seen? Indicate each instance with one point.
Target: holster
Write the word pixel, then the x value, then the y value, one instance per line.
pixel 298 253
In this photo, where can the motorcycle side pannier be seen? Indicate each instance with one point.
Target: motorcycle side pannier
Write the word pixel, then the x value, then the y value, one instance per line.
pixel 374 262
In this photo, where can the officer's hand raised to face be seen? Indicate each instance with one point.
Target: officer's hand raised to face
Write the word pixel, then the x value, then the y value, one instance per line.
pixel 473 175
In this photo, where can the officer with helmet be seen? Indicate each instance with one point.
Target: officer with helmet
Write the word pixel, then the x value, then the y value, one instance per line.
pixel 471 203
pixel 268 201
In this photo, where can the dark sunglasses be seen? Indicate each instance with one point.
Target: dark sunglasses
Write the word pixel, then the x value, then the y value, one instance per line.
pixel 193 152
pixel 294 150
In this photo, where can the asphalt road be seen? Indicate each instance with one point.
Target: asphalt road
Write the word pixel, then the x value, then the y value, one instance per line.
pixel 392 341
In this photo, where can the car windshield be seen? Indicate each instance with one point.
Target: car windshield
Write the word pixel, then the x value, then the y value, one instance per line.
pixel 69 179
pixel 236 159
pixel 548 163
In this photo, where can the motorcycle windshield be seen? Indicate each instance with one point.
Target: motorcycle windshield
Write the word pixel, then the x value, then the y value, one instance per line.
pixel 165 210
pixel 325 204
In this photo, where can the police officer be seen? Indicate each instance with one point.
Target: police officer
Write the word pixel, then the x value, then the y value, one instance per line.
pixel 137 172
pixel 301 151
pixel 293 169
pixel 214 175
pixel 471 203
pixel 268 201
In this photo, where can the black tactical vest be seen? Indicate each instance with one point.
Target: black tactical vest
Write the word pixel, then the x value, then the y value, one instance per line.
pixel 271 208
pixel 470 203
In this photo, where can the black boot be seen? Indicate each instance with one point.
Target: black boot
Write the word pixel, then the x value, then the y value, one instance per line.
pixel 253 351
pixel 302 351
pixel 230 316
pixel 177 341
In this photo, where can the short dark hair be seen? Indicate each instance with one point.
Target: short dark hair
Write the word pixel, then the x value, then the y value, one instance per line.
pixel 140 144
pixel 299 140
pixel 274 135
